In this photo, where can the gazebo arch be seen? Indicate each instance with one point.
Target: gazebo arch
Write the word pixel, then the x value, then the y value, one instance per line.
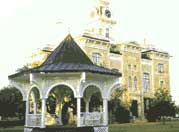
pixel 23 93
pixel 113 87
pixel 59 84
pixel 32 87
pixel 89 85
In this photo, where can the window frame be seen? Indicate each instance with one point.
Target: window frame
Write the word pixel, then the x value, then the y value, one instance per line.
pixel 96 58
pixel 135 83
pixel 160 68
pixel 146 81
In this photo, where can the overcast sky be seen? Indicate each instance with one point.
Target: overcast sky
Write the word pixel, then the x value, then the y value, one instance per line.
pixel 26 25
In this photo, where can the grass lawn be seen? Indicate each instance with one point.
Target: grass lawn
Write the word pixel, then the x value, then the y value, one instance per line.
pixel 12 129
pixel 129 127
pixel 145 127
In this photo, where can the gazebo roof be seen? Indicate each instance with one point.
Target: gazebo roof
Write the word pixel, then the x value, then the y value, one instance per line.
pixel 67 52
pixel 69 57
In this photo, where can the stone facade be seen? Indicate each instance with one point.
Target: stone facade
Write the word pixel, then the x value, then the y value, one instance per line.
pixel 133 61
pixel 144 69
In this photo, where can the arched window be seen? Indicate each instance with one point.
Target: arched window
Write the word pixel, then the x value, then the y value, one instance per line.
pixel 96 58
pixel 129 82
pixel 135 83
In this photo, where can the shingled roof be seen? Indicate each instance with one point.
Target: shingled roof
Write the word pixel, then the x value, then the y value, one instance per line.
pixel 67 52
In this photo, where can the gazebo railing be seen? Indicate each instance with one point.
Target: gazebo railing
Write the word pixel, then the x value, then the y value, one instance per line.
pixel 33 120
pixel 92 119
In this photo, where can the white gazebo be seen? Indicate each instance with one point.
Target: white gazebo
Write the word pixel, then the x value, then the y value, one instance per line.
pixel 67 66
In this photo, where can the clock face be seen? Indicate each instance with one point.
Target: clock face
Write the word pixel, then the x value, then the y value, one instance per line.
pixel 108 13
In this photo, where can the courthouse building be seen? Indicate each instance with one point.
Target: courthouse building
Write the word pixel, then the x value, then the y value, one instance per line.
pixel 144 68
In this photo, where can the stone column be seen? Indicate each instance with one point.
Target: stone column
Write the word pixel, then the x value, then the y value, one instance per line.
pixel 26 112
pixel 78 112
pixel 141 109
pixel 105 111
pixel 43 113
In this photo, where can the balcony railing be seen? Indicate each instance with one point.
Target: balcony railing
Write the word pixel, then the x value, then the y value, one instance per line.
pixel 92 119
pixel 33 120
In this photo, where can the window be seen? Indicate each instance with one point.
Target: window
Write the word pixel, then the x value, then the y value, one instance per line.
pixel 146 82
pixel 135 83
pixel 100 31
pixel 135 67
pixel 96 58
pixel 107 32
pixel 129 67
pixel 160 68
pixel 129 82
pixel 161 84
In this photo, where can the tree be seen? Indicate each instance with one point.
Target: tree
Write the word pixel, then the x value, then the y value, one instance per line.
pixel 11 104
pixel 161 106
pixel 118 112
pixel 24 68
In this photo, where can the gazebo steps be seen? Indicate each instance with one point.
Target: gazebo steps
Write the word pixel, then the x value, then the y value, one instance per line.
pixel 68 129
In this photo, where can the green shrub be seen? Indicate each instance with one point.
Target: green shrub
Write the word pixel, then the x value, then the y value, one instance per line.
pixel 11 123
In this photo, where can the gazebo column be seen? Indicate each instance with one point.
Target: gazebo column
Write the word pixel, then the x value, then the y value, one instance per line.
pixel 35 107
pixel 105 111
pixel 43 112
pixel 26 112
pixel 87 106
pixel 87 101
pixel 34 103
pixel 78 111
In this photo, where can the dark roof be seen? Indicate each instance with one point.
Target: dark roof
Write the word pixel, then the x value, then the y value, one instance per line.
pixel 95 38
pixel 72 67
pixel 145 56
pixel 69 57
pixel 67 52
pixel 162 52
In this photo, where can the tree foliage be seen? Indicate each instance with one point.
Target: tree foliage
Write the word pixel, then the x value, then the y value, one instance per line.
pixel 161 106
pixel 118 112
pixel 11 104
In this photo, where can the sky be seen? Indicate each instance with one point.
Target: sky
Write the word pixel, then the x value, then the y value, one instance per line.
pixel 26 25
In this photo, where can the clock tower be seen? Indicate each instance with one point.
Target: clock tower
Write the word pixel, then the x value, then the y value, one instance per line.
pixel 101 25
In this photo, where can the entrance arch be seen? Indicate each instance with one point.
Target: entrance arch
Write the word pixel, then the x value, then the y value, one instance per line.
pixel 112 88
pixel 33 98
pixel 61 105
pixel 60 84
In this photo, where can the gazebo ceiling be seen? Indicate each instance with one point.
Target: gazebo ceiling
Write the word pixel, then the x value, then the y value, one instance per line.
pixel 69 57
